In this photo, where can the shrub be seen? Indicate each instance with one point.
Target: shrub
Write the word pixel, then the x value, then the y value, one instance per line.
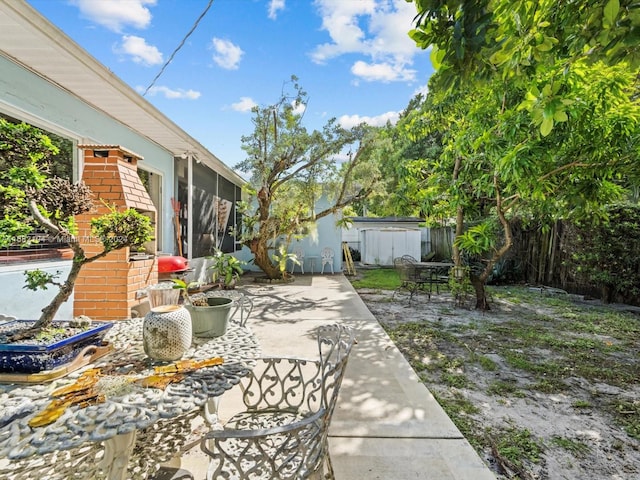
pixel 608 254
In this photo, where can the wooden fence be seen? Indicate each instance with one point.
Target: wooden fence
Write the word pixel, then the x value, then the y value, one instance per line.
pixel 537 257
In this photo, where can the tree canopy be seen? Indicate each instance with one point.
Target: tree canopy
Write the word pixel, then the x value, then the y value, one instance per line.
pixel 533 112
pixel 292 169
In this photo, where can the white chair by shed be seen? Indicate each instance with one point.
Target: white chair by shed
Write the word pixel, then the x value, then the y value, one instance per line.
pixel 327 258
pixel 299 253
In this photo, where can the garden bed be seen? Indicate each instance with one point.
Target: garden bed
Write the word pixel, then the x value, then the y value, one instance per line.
pixel 545 385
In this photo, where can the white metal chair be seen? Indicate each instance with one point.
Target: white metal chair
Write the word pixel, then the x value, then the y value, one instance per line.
pixel 327 258
pixel 282 433
pixel 299 253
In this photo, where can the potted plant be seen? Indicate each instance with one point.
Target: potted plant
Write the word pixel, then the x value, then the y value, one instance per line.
pixel 281 258
pixel 226 269
pixel 210 315
pixel 30 200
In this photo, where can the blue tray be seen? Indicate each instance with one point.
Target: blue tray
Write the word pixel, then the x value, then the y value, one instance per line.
pixel 32 358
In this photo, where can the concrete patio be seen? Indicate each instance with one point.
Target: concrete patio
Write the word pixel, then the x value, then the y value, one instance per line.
pixel 387 425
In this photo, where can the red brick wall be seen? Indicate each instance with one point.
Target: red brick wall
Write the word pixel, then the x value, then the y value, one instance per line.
pixel 106 288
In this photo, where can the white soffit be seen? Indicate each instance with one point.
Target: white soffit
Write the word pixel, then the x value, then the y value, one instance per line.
pixel 31 40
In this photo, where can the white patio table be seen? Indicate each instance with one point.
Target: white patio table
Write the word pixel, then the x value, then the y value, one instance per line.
pixel 99 441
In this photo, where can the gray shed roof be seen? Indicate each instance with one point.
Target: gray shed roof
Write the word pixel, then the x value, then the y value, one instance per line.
pixel 386 219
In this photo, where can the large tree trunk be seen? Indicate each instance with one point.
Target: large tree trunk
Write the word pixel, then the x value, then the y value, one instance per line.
pixel 480 281
pixel 457 260
pixel 481 294
pixel 65 290
pixel 262 259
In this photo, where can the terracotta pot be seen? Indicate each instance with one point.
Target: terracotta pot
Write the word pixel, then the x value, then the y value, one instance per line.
pixel 167 332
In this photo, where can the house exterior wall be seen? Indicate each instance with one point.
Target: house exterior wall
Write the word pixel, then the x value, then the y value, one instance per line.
pixel 324 234
pixel 27 304
pixel 29 97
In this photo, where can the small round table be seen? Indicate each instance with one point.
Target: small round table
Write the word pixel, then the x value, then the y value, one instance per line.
pixel 107 431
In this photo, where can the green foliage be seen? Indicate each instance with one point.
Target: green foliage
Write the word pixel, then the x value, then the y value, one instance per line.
pixel 514 39
pixel 629 416
pixel 116 230
pixel 291 169
pixel 39 279
pixel 518 446
pixel 225 268
pixel 608 253
pixel 31 198
pixel 533 113
pixel 460 283
pixel 379 278
pixel 24 151
pixel 576 447
pixel 184 287
pixel 50 333
pixel 281 258
pixel 478 240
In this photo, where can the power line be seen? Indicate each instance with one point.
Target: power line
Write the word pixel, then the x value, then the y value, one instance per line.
pixel 195 25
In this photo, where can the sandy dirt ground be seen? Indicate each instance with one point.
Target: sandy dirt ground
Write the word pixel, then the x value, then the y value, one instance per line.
pixel 578 438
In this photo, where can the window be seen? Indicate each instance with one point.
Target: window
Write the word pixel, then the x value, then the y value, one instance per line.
pixel 153 184
pixel 43 245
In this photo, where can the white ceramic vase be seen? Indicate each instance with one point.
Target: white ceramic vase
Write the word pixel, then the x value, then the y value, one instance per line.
pixel 167 332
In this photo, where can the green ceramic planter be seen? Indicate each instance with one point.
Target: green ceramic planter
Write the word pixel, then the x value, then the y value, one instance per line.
pixel 212 320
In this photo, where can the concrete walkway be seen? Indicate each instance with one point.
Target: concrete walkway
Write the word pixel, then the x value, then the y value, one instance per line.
pixel 387 425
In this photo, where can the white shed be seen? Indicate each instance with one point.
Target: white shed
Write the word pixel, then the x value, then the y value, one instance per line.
pixel 379 246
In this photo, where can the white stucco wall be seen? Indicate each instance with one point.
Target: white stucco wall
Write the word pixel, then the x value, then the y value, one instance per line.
pixel 28 97
pixel 26 304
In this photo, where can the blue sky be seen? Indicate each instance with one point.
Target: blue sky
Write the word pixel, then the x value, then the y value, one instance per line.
pixel 353 57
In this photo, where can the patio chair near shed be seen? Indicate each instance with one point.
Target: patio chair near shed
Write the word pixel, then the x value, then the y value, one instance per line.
pixel 299 253
pixel 411 279
pixel 327 258
pixel 289 402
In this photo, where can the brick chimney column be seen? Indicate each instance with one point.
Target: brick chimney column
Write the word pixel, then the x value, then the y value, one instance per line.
pixel 106 288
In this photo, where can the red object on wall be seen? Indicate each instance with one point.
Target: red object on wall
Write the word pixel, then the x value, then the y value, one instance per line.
pixel 172 264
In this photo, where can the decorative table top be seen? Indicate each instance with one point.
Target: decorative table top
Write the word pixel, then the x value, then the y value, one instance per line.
pixel 128 406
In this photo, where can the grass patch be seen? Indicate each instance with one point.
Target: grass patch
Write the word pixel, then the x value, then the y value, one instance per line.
pixel 459 410
pixel 486 363
pixel 457 380
pixel 627 414
pixel 576 447
pixel 514 446
pixel 505 389
pixel 380 278
pixel 549 386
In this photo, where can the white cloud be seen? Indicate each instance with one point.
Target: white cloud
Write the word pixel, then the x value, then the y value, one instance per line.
pixel 376 29
pixel 140 51
pixel 274 6
pixel 116 14
pixel 227 54
pixel 381 72
pixel 298 108
pixel 422 90
pixel 171 94
pixel 244 105
pixel 348 121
